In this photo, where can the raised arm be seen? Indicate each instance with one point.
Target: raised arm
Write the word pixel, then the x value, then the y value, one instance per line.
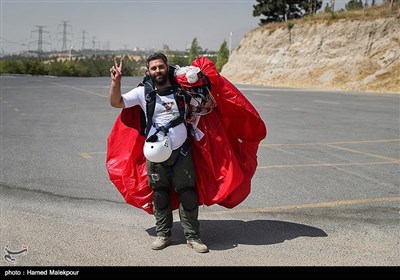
pixel 114 92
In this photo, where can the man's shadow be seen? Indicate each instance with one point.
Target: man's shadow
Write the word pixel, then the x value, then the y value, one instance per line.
pixel 227 234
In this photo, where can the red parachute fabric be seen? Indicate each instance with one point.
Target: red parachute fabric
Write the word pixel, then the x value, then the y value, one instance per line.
pixel 225 157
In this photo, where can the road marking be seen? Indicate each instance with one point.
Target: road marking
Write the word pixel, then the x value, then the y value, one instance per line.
pixel 326 164
pixel 88 155
pixel 85 155
pixel 260 94
pixel 326 102
pixel 83 90
pixel 362 153
pixel 281 89
pixel 307 206
pixel 331 143
pixel 334 145
pixel 10 105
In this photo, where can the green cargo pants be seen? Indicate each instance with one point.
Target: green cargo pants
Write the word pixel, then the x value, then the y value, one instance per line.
pixel 177 172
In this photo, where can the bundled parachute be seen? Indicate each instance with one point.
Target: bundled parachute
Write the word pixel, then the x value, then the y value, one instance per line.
pixel 225 156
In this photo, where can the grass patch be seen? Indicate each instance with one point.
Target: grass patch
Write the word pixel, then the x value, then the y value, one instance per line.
pixel 376 12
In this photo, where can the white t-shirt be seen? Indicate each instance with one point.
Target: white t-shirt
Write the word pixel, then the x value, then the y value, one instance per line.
pixel 165 110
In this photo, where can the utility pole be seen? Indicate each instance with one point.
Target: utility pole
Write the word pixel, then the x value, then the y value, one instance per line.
pixel 40 40
pixel 64 38
pixel 94 45
pixel 70 52
pixel 83 39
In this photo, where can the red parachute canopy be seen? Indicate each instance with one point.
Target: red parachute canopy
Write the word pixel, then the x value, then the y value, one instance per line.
pixel 225 157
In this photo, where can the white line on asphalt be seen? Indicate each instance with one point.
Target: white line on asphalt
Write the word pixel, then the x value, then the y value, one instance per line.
pixel 326 102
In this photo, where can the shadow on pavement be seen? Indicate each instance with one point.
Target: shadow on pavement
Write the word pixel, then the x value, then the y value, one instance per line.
pixel 227 234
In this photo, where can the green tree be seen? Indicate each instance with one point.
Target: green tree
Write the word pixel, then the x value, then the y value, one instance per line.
pixel 222 57
pixel 283 10
pixel 8 66
pixel 177 58
pixel 354 5
pixel 328 9
pixel 94 66
pixel 55 68
pixel 195 51
pixel 82 69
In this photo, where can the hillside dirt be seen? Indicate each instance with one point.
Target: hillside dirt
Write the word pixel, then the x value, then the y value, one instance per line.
pixel 349 55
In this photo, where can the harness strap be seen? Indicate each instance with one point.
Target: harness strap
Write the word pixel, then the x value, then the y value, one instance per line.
pixel 183 151
pixel 165 128
pixel 150 95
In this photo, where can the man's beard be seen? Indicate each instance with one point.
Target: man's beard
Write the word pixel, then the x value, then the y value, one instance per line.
pixel 160 79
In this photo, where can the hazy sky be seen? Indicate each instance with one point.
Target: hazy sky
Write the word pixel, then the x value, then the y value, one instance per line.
pixel 128 24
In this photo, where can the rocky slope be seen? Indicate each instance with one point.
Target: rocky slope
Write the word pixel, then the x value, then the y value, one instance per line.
pixel 356 55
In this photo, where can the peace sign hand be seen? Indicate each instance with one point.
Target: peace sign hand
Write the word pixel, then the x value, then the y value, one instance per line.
pixel 116 70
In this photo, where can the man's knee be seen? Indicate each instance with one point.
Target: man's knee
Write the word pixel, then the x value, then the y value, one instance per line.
pixel 188 198
pixel 161 198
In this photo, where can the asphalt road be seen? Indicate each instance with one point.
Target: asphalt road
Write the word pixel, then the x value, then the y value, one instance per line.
pixel 326 191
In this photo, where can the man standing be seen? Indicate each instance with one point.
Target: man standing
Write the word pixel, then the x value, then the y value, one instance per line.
pixel 169 159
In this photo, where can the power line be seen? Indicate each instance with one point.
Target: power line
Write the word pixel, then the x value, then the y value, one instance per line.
pixel 14 42
pixel 84 34
pixel 64 38
pixel 40 40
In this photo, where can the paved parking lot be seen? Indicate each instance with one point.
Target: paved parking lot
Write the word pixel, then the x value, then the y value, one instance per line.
pixel 326 191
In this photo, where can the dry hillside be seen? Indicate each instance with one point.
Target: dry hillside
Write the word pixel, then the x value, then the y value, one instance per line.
pixel 344 54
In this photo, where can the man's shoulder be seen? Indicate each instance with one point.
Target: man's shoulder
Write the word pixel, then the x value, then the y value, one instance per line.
pixel 136 92
pixel 138 89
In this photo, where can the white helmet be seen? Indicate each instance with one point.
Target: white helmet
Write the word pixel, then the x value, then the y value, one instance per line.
pixel 158 151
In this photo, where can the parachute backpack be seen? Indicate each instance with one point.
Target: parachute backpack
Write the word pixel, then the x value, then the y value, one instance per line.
pixel 198 92
pixel 198 86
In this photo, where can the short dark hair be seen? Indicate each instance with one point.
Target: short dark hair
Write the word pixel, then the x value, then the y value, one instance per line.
pixel 155 56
